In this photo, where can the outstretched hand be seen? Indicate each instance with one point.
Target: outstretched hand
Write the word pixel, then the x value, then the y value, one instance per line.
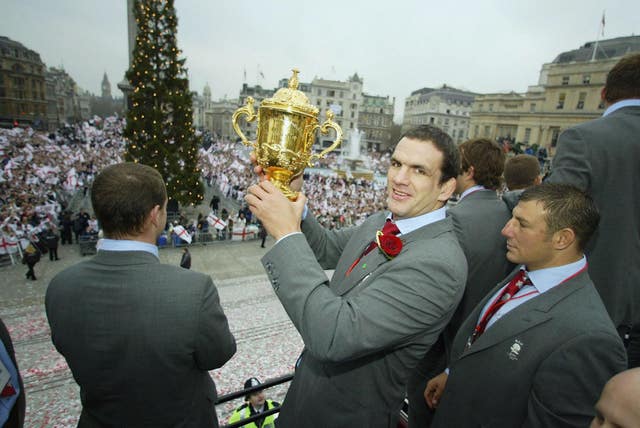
pixel 278 214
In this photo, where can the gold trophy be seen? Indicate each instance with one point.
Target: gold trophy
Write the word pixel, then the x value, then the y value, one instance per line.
pixel 286 131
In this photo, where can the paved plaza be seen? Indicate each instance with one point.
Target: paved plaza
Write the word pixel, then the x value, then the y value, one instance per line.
pixel 268 344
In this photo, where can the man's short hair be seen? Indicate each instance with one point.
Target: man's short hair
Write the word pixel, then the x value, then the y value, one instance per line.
pixel 443 142
pixel 521 171
pixel 566 206
pixel 123 195
pixel 487 159
pixel 623 81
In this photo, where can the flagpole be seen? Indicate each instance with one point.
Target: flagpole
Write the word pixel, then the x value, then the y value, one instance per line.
pixel 600 30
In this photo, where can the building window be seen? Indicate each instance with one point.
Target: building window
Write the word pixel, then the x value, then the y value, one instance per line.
pixel 431 120
pixel 586 79
pixel 476 130
pixel 532 107
pixel 582 97
pixel 527 135
pixel 319 91
pixel 487 131
pixel 480 107
pixel 341 94
pixel 490 107
pixel 565 80
pixel 561 99
pixel 331 93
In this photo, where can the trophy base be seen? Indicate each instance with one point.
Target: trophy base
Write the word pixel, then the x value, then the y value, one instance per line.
pixel 281 178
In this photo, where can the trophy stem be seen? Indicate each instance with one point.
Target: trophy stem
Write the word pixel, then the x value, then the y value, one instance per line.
pixel 281 178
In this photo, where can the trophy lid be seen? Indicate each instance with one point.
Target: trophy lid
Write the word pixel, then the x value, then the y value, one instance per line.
pixel 291 99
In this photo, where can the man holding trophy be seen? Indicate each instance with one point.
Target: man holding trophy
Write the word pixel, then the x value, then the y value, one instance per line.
pixel 398 277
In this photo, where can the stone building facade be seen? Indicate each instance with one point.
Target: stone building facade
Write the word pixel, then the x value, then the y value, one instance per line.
pixel 567 93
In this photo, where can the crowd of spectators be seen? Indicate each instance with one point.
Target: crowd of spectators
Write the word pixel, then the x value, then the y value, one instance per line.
pixel 337 202
pixel 40 173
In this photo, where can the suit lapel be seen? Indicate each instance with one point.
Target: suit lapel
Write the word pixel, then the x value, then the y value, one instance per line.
pixel 524 317
pixel 374 260
pixel 342 283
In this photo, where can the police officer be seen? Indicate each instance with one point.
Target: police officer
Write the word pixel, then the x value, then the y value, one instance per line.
pixel 255 403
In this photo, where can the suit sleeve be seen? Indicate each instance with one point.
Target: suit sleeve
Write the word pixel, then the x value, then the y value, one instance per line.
pixel 416 295
pixel 568 383
pixel 571 164
pixel 215 344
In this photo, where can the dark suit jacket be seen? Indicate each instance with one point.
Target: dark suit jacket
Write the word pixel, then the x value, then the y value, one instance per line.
pixel 16 417
pixel 602 157
pixel 543 364
pixel 478 220
pixel 139 338
pixel 363 333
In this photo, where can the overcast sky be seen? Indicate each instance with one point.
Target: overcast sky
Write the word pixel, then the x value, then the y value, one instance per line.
pixel 396 46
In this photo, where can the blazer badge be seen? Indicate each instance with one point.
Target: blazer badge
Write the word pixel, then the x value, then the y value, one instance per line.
pixel 514 351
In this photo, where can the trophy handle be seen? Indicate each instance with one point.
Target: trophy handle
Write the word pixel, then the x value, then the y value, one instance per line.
pixel 247 110
pixel 328 124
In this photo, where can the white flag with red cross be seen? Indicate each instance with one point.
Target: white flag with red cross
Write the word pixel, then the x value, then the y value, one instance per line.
pixel 182 233
pixel 216 222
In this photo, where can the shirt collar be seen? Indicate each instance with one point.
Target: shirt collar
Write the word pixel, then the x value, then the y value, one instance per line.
pixel 545 279
pixel 471 190
pixel 128 245
pixel 618 105
pixel 408 225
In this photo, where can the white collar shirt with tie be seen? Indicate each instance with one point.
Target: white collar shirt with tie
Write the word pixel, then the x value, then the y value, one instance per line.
pixel 542 280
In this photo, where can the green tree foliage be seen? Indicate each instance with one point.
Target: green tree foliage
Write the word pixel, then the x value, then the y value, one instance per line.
pixel 159 127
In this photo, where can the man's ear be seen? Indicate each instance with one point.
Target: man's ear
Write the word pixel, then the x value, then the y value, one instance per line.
pixel 470 173
pixel 564 238
pixel 447 189
pixel 154 215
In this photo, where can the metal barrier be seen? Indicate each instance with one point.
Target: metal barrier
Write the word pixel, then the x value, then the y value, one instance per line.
pixel 267 384
pixel 88 244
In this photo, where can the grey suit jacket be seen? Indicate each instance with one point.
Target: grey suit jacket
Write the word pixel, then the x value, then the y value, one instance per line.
pixel 602 157
pixel 543 364
pixel 363 333
pixel 478 220
pixel 139 338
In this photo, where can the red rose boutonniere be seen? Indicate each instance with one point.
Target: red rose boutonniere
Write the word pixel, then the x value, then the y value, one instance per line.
pixel 389 244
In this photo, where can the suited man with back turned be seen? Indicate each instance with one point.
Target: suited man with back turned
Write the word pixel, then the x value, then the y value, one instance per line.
pixel 537 350
pixel 398 278
pixel 602 157
pixel 139 336
pixel 477 218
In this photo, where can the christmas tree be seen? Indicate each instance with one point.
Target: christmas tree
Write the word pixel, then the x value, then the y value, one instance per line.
pixel 159 129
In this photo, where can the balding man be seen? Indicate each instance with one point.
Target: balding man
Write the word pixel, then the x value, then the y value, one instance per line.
pixel 619 404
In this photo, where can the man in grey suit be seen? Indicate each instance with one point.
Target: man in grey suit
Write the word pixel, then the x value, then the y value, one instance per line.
pixel 477 218
pixel 537 350
pixel 386 304
pixel 139 336
pixel 602 157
